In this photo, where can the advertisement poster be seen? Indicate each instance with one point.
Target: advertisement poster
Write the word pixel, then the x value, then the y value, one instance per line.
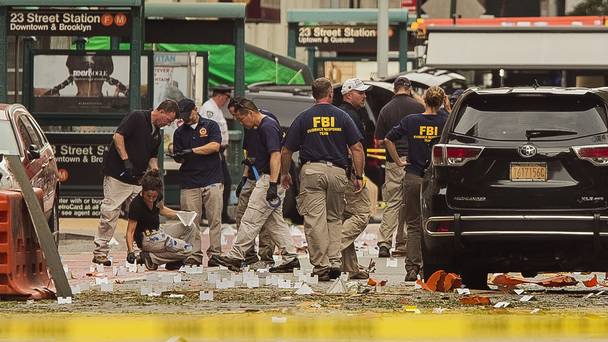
pixel 80 171
pixel 84 83
pixel 175 77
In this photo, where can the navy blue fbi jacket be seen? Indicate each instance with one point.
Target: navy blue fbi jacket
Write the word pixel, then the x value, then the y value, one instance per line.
pixel 422 132
pixel 323 133
pixel 261 142
pixel 198 170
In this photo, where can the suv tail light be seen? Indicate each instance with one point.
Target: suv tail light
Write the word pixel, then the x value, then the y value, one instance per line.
pixel 454 155
pixel 596 154
pixel 444 226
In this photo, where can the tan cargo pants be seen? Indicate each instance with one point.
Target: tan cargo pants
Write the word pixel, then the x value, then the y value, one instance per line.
pixel 413 259
pixel 211 198
pixel 115 193
pixel 174 242
pixel 259 214
pixel 321 202
pixel 394 213
pixel 265 245
pixel 357 213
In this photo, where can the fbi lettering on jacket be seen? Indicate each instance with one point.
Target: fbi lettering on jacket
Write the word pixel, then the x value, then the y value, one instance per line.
pixel 323 125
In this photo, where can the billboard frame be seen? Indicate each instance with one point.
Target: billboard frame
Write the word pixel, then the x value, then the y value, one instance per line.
pixel 91 118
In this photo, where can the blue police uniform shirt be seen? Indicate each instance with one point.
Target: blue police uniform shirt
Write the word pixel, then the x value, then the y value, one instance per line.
pixel 198 170
pixel 250 135
pixel 323 133
pixel 422 132
pixel 252 144
pixel 262 141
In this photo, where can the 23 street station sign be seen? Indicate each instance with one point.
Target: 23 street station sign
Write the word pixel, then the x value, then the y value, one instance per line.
pixel 69 23
pixel 344 38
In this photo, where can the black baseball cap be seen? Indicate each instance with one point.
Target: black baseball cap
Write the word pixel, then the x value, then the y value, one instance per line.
pixel 402 81
pixel 185 108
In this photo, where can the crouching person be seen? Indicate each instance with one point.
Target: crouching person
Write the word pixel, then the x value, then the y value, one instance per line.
pixel 173 245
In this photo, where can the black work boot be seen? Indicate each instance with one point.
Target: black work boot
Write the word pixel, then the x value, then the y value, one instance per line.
pixel 145 259
pixel 334 272
pixel 286 267
pixel 103 260
pixel 411 274
pixel 322 275
pixel 251 259
pixel 231 263
pixel 384 252
pixel 174 265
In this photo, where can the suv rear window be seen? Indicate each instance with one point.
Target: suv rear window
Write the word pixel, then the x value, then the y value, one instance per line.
pixel 508 117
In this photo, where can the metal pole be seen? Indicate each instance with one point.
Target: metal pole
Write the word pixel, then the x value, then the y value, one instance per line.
pixel 453 10
pixel 291 39
pixel 115 43
pixel 135 59
pixel 26 82
pixel 81 42
pixel 239 58
pixel 382 39
pixel 403 46
pixel 312 65
pixel 3 57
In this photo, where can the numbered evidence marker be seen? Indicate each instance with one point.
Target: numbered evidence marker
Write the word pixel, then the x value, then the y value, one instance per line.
pixel 145 290
pixel 463 291
pixel 76 289
pixel 64 300
pixel 304 290
pixel 205 296
pixel 501 305
pixel 224 284
pixel 252 282
pixel 107 287
pixel 392 262
pixel 101 281
pixel 284 284
pixel 526 298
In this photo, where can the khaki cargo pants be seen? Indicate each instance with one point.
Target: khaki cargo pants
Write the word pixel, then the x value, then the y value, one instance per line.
pixel 265 245
pixel 394 213
pixel 321 202
pixel 357 213
pixel 413 258
pixel 259 214
pixel 210 197
pixel 174 242
pixel 115 193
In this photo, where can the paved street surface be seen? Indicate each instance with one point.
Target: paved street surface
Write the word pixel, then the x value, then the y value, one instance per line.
pixel 171 305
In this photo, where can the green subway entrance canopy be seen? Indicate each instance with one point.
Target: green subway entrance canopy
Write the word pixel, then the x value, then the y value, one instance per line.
pixel 260 65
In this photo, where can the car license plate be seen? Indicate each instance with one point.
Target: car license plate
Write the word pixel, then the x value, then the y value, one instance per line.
pixel 528 172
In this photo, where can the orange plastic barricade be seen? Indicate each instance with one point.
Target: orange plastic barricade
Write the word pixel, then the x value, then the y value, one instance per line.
pixel 23 271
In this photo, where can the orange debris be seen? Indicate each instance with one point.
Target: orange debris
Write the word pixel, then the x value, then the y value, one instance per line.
pixel 591 282
pixel 475 300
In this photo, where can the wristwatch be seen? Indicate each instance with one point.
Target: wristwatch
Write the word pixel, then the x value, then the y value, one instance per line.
pixel 359 177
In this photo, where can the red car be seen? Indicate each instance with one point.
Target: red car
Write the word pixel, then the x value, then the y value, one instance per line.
pixel 21 135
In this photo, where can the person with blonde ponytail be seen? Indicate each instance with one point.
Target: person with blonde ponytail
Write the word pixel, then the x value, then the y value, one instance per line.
pixel 422 131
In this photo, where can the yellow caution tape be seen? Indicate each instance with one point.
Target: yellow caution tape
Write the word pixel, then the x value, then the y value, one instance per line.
pixel 376 156
pixel 304 327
